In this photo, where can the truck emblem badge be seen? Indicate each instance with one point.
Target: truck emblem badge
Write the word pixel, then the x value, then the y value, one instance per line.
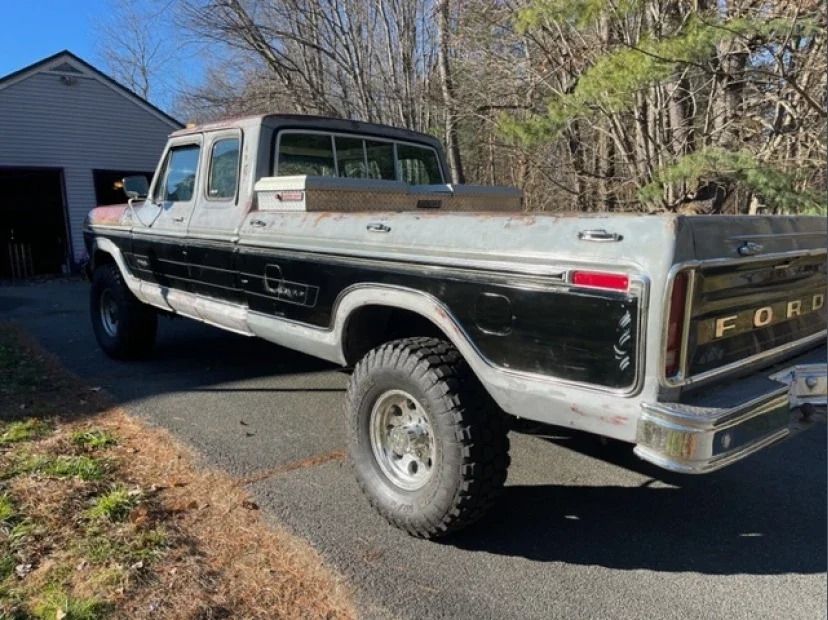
pixel 760 317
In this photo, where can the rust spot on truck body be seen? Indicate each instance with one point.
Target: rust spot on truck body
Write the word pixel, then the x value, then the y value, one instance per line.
pixel 107 216
pixel 615 420
pixel 524 219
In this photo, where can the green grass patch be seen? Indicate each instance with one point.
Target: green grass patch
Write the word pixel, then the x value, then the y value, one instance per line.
pixel 61 466
pixel 7 563
pixel 57 602
pixel 93 438
pixel 6 509
pixel 23 430
pixel 114 505
pixel 15 528
pixel 145 546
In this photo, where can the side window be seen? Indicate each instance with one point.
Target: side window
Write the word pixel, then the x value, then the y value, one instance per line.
pixel 350 158
pixel 364 159
pixel 305 154
pixel 224 169
pixel 180 173
pixel 418 165
pixel 380 156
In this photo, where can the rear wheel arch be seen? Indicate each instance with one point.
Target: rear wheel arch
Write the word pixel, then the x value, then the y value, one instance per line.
pixel 368 326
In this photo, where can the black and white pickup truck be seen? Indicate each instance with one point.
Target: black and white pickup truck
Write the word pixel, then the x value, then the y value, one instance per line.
pixel 699 339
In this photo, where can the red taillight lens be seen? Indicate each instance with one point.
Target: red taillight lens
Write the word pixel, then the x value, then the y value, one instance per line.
pixel 675 325
pixel 601 279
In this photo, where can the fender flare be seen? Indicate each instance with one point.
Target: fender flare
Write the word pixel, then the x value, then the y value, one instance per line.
pixel 108 247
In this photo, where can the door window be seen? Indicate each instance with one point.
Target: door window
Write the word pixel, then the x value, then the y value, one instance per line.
pixel 223 176
pixel 180 174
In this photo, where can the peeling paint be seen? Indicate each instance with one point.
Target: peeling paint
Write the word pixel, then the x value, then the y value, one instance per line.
pixel 109 215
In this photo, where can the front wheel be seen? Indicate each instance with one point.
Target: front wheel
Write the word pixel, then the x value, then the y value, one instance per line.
pixel 430 448
pixel 124 327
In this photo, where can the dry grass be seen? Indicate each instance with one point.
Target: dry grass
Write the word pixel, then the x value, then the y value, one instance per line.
pixel 152 536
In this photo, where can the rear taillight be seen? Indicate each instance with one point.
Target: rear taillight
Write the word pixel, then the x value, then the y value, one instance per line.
pixel 675 325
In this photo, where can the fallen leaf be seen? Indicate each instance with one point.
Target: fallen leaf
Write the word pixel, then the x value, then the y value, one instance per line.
pixel 21 570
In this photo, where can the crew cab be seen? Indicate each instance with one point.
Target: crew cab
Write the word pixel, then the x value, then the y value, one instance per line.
pixel 697 339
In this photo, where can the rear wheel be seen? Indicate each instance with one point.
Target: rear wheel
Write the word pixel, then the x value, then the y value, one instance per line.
pixel 430 448
pixel 124 327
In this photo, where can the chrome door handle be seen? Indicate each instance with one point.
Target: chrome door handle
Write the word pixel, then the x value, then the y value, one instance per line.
pixel 376 227
pixel 178 219
pixel 599 235
pixel 258 223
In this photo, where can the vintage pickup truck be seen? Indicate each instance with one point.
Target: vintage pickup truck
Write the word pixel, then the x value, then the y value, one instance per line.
pixel 699 339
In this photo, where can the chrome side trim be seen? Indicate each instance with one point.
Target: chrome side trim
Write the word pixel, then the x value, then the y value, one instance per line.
pixel 433 309
pixel 106 245
pixel 328 343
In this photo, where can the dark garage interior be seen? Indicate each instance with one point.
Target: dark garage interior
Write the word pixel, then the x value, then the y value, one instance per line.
pixel 108 187
pixel 33 230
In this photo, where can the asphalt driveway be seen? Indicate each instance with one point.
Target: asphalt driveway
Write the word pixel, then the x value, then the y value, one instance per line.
pixel 582 531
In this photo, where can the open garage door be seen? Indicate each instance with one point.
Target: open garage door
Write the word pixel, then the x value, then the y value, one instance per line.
pixel 33 230
pixel 108 187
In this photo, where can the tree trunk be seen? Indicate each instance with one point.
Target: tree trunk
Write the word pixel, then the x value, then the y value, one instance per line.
pixel 447 87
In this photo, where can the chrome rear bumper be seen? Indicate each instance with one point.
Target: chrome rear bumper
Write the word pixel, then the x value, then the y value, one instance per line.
pixel 698 439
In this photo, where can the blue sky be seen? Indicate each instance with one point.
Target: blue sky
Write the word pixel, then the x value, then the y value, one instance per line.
pixel 35 29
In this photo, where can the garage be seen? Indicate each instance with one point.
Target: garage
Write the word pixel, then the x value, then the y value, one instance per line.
pixel 33 228
pixel 70 133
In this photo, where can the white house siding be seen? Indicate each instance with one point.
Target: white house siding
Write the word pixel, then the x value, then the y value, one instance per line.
pixel 79 127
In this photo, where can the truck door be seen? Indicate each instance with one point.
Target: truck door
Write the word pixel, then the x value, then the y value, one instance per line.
pixel 159 246
pixel 213 228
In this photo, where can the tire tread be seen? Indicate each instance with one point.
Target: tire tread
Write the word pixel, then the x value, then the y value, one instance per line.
pixel 479 427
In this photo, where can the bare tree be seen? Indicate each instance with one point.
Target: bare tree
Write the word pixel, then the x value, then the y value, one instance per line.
pixel 138 47
pixel 370 60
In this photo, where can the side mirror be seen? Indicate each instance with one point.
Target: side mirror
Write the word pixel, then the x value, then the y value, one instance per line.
pixel 136 186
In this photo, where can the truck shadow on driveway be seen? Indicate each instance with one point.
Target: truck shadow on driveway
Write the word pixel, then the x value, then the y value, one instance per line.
pixel 765 515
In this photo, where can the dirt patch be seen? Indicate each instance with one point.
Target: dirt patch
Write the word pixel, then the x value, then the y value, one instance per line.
pixel 102 515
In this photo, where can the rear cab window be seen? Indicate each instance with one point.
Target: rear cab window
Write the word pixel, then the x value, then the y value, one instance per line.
pixel 352 156
pixel 305 153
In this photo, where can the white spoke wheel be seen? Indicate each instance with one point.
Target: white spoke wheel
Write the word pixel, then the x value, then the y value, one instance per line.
pixel 124 327
pixel 429 446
